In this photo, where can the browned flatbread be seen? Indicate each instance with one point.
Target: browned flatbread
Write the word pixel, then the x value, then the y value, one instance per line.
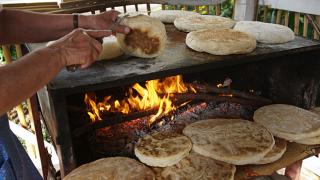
pixel 196 167
pixel 120 168
pixel 162 150
pixel 234 141
pixel 288 122
pixel 276 152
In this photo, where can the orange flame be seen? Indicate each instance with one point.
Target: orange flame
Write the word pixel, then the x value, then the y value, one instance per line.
pixel 154 94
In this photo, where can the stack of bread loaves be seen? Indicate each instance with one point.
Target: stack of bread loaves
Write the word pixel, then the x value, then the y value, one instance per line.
pixel 290 123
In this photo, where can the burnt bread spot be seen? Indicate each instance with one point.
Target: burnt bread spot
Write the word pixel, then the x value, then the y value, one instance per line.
pixel 138 39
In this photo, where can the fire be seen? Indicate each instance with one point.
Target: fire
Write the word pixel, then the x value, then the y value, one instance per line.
pixel 154 94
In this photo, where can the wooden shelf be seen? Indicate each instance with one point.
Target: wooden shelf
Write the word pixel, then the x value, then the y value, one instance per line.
pixel 295 152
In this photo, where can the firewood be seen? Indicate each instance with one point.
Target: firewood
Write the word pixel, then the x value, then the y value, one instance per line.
pixel 235 93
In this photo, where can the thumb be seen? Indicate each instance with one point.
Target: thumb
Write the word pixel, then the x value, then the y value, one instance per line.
pixel 98 33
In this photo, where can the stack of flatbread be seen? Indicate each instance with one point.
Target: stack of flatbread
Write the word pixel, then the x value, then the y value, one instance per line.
pixel 168 16
pixel 234 141
pixel 266 32
pixel 290 123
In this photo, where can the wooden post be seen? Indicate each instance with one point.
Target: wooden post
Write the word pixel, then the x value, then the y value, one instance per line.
pixel 286 19
pixel 148 8
pixel 163 7
pixel 315 34
pixel 278 19
pixel 124 9
pixel 197 9
pixel 218 9
pixel 265 13
pixel 185 7
pixel 305 26
pixel 296 23
pixel 136 7
pixel 246 10
pixel 6 54
pixel 207 10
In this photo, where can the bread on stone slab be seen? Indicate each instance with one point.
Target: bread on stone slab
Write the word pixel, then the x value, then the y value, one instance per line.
pixel 220 41
pixel 266 32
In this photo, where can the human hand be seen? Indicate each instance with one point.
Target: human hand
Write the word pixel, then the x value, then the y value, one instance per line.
pixel 103 21
pixel 79 47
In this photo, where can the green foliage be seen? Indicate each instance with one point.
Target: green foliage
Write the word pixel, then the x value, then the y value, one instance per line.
pixel 1 55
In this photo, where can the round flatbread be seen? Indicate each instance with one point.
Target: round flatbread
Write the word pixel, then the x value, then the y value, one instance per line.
pixel 276 152
pixel 120 168
pixel 194 23
pixel 162 150
pixel 195 166
pixel 110 48
pixel 221 41
pixel 168 16
pixel 266 32
pixel 147 38
pixel 288 122
pixel 234 141
pixel 312 140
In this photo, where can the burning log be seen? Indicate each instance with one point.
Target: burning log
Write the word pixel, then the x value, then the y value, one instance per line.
pixel 218 99
pixel 111 121
pixel 235 93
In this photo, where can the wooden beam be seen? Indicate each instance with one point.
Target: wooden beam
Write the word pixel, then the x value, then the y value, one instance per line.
pixel 218 9
pixel 296 23
pixel 305 26
pixel 315 34
pixel 265 13
pixel 246 10
pixel 278 19
pixel 286 19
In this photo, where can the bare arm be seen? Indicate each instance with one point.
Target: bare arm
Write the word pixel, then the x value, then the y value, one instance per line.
pixel 18 26
pixel 21 79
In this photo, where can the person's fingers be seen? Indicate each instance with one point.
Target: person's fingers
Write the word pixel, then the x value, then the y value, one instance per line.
pixel 122 29
pixel 98 33
pixel 114 15
pixel 97 45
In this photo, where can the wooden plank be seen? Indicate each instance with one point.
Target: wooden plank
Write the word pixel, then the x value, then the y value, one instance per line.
pixel 293 153
pixel 17 5
pixel 278 18
pixel 246 10
pixel 296 23
pixel 302 6
pixel 148 8
pixel 218 9
pixel 315 34
pixel 305 26
pixel 188 2
pixel 265 13
pixel 286 18
pixel 207 9
pixel 197 9
pixel 6 54
pixel 136 7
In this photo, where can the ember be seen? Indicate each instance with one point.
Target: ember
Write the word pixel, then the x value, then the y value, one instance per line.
pixel 155 94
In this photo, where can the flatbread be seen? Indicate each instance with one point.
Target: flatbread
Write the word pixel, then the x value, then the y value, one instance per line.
pixel 194 23
pixel 312 140
pixel 288 122
pixel 266 32
pixel 276 152
pixel 120 168
pixel 234 141
pixel 110 48
pixel 196 167
pixel 162 150
pixel 147 38
pixel 168 16
pixel 220 41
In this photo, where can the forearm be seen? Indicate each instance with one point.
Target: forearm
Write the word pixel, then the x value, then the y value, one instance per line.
pixel 23 78
pixel 18 26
